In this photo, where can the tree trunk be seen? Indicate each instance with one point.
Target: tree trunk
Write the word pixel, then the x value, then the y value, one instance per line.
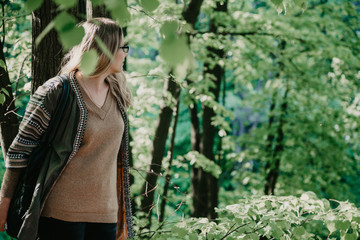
pixel 79 11
pixel 9 123
pixel 273 163
pixel 47 56
pixel 158 152
pixel 190 15
pixel 168 175
pixel 205 192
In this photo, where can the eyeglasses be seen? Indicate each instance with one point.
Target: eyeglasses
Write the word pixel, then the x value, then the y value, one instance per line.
pixel 125 48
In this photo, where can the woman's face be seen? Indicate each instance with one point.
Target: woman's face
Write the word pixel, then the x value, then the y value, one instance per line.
pixel 119 58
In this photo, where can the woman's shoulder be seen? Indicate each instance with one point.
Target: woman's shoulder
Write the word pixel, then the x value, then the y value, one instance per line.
pixel 53 84
pixel 49 92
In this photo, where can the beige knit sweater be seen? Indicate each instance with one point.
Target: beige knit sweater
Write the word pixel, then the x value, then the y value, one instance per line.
pixel 86 190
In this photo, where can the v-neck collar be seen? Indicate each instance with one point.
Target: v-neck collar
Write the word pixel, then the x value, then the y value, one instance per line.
pixel 100 111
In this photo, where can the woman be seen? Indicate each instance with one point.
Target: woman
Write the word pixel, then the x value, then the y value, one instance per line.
pixel 84 191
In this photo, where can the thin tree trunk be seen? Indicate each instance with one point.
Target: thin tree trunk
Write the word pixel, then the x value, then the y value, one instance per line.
pixel 168 175
pixel 158 152
pixel 273 164
pixel 162 129
pixel 9 123
pixel 205 197
pixel 79 11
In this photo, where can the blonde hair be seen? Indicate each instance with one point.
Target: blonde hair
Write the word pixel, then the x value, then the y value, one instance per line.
pixel 110 33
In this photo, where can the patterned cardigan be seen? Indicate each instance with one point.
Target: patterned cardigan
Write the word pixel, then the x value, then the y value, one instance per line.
pixel 65 145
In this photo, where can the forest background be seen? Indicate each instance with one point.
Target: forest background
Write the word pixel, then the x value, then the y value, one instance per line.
pixel 244 122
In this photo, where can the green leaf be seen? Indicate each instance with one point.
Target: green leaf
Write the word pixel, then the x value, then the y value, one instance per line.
pixel 251 236
pixel 149 5
pixel 276 232
pixel 174 51
pixel 181 232
pixel 168 29
pixel 351 236
pixel 5 91
pixel 2 98
pixel 44 32
pixel 343 225
pixel 96 2
pixel 103 47
pixel 32 5
pixel 66 3
pixel 331 226
pixel 2 64
pixel 64 22
pixel 193 236
pixel 88 62
pixel 71 38
pixel 200 161
pixel 299 231
pixel 277 2
pixel 301 3
pixel 119 11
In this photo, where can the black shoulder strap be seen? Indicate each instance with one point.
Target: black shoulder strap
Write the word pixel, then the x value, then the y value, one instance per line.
pixel 59 111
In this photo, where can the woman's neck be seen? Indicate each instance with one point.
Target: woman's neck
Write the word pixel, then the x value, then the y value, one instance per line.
pixel 96 84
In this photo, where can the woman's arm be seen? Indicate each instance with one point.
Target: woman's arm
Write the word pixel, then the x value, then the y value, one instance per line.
pixel 34 124
pixel 10 180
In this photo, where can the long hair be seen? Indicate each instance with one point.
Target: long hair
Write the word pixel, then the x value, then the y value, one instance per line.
pixel 110 33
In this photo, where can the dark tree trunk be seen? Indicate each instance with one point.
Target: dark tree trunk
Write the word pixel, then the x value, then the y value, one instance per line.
pixel 273 163
pixel 100 11
pixel 46 57
pixel 158 152
pixel 9 123
pixel 171 149
pixel 79 11
pixel 205 192
pixel 162 129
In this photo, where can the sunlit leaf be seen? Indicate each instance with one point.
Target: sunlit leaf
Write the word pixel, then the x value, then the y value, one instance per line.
pixel 103 48
pixel 331 226
pixel 64 22
pixel 44 32
pixel 149 5
pixel 72 37
pixel 174 51
pixel 32 5
pixel 169 29
pixel 88 62
pixel 2 98
pixel 301 3
pixel 200 161
pixel 5 91
pixel 2 64
pixel 119 11
pixel 96 2
pixel 66 3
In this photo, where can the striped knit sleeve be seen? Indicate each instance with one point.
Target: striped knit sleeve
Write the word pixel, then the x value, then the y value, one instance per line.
pixel 35 122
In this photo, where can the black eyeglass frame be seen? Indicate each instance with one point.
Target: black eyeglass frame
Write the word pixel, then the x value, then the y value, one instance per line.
pixel 125 48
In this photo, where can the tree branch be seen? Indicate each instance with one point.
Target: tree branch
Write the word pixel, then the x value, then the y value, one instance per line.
pixel 3 21
pixel 231 232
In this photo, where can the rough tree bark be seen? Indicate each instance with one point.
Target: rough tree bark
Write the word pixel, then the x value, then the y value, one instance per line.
pixel 46 57
pixel 190 15
pixel 205 192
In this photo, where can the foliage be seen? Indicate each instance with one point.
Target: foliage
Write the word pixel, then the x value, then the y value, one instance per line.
pixel 305 217
pixel 302 53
